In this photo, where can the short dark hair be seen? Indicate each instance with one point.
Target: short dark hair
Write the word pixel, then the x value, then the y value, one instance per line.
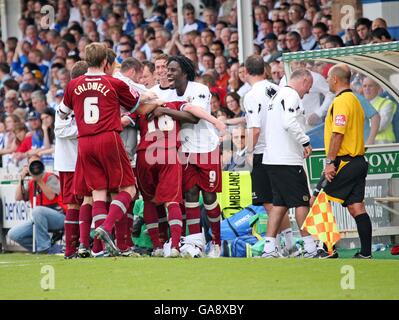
pixel 337 40
pixel 4 67
pixel 381 32
pixel 220 43
pixel 363 22
pixel 186 65
pixel 149 65
pixel 255 65
pixel 321 26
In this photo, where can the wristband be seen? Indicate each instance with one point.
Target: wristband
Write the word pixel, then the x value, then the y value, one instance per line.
pixel 306 144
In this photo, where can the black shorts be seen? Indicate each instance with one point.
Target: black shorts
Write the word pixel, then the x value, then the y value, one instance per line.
pixel 261 187
pixel 349 184
pixel 289 186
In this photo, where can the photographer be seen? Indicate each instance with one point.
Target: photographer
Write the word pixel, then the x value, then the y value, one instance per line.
pixel 48 212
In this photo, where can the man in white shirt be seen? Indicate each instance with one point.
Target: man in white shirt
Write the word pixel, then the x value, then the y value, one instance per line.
pixel 200 145
pixel 286 147
pixel 314 108
pixel 255 104
pixel 65 156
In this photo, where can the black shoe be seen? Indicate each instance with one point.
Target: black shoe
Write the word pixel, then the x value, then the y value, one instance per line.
pixel 83 252
pixel 104 235
pixel 322 254
pixel 358 255
pixel 57 236
pixel 138 223
pixel 72 256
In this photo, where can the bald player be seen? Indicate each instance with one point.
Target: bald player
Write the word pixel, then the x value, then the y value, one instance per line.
pixel 346 168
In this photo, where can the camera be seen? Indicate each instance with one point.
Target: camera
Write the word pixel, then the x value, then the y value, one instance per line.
pixel 36 168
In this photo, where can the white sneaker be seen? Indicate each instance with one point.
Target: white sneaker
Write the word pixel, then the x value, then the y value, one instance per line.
pixel 214 251
pixel 300 253
pixel 272 254
pixel 100 254
pixel 174 253
pixel 157 253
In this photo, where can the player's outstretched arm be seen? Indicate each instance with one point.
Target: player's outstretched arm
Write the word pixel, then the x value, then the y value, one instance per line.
pixel 181 116
pixel 202 114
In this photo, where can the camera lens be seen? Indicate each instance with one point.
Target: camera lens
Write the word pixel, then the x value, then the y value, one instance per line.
pixel 36 168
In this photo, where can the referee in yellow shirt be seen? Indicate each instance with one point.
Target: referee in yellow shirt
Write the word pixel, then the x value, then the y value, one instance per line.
pixel 346 167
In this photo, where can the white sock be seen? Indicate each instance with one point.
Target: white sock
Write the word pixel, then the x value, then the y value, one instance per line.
pixel 289 238
pixel 270 244
pixel 309 244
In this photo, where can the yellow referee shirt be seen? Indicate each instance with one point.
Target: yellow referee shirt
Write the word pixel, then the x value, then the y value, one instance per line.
pixel 346 116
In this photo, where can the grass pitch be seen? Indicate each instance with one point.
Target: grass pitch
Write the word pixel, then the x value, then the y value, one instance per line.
pixel 181 279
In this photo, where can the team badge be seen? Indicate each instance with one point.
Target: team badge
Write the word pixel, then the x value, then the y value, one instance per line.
pixel 340 120
pixel 305 198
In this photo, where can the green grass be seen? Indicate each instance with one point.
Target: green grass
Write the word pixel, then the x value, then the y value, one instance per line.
pixel 225 278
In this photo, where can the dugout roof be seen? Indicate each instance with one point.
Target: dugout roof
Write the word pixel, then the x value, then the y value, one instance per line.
pixel 378 61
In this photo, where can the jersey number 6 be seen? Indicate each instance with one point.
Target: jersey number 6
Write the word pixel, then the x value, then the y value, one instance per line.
pixel 91 111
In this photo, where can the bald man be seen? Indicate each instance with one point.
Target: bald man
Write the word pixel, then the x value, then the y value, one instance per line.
pixel 346 168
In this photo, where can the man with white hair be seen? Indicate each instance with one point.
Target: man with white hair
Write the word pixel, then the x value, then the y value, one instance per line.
pixel 284 123
pixel 314 109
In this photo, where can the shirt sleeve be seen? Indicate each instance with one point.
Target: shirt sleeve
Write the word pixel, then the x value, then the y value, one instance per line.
pixel 340 116
pixel 252 109
pixel 129 98
pixel 25 145
pixel 202 99
pixel 66 106
pixel 54 184
pixel 292 110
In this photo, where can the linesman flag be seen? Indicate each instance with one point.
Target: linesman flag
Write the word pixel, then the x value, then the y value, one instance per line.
pixel 321 223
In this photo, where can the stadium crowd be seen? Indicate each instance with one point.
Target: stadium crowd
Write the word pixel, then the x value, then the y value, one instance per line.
pixel 35 70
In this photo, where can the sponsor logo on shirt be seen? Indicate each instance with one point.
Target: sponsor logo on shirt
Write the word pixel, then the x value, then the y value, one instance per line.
pixel 340 120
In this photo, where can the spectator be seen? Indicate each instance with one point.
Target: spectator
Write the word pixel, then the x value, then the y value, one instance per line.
pixel 385 107
pixel 215 104
pixel 308 40
pixel 380 35
pixel 135 19
pixel 363 29
pixel 279 27
pixel 7 145
pixel 39 101
pixel 379 23
pixel 233 52
pixel 217 48
pixel 221 69
pixel 4 73
pixel 240 160
pixel 209 16
pixel 208 61
pixel 47 215
pixel 232 102
pixel 333 41
pixel 293 40
pixel 33 141
pixel 282 42
pixel 277 70
pixel 207 36
pixel 9 106
pixel 125 51
pixel 190 22
pixel 270 52
pixel 319 30
pixel 296 13
pixel 26 97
